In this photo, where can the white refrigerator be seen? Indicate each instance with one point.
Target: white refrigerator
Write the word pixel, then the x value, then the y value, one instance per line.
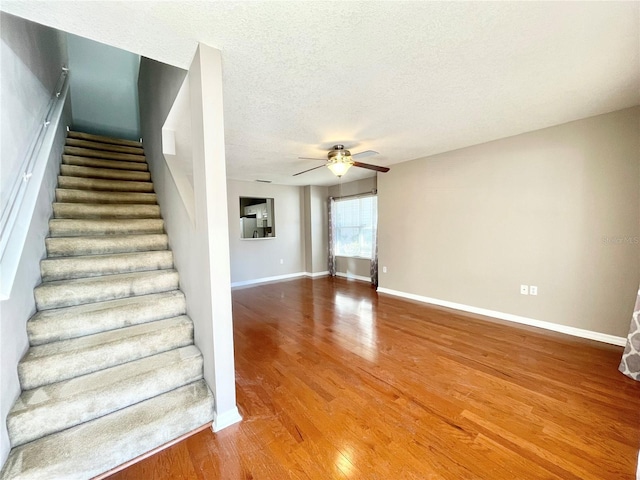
pixel 249 227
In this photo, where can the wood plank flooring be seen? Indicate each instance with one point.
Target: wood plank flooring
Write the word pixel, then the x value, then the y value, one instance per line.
pixel 337 382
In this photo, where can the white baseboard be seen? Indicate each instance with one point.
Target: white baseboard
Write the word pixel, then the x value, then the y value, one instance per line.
pixel 276 278
pixel 226 419
pixel 316 274
pixel 576 332
pixel 352 276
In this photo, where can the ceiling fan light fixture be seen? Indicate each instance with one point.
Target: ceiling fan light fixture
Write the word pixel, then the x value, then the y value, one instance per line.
pixel 340 164
pixel 339 160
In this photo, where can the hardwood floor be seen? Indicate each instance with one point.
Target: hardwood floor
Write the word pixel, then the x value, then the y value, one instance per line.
pixel 335 381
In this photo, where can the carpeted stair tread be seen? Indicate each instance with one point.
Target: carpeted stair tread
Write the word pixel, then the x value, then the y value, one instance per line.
pixel 104 173
pixel 98 163
pixel 108 147
pixel 80 320
pixel 83 183
pixel 102 444
pixel 88 152
pixel 67 293
pixel 67 268
pixel 67 195
pixel 75 227
pixel 57 361
pixel 98 210
pixel 103 139
pixel 99 245
pixel 51 408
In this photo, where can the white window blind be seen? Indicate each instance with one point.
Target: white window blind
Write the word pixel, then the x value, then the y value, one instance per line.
pixel 355 225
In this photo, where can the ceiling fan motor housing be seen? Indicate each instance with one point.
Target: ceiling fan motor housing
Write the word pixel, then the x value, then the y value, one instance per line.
pixel 338 151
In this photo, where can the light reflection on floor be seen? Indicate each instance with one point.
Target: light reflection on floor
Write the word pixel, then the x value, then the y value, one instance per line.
pixel 345 461
pixel 354 327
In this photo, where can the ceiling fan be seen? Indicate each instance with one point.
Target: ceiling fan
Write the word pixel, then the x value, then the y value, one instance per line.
pixel 340 160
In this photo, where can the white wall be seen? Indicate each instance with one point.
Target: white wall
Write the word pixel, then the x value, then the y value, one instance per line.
pixel 200 248
pixel 31 58
pixel 104 88
pixel 29 75
pixel 316 238
pixel 558 208
pixel 254 259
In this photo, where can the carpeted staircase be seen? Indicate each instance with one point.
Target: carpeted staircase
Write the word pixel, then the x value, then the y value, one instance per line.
pixel 112 371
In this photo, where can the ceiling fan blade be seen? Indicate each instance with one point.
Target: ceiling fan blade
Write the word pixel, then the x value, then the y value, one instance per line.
pixel 314 168
pixel 309 158
pixel 366 153
pixel 371 167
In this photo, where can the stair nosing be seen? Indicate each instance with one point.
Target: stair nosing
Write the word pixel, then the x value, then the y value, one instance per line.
pixel 88 352
pixel 169 282
pixel 107 138
pixel 89 264
pixel 83 152
pixel 81 171
pixel 103 146
pixel 178 411
pixel 139 166
pixel 79 390
pixel 66 321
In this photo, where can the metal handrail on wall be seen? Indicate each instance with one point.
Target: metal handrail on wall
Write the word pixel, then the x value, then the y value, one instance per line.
pixel 18 189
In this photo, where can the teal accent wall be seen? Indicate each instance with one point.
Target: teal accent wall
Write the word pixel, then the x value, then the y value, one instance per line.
pixel 104 88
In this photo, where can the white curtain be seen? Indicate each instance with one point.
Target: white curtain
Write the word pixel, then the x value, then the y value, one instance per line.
pixel 630 363
pixel 332 239
pixel 374 253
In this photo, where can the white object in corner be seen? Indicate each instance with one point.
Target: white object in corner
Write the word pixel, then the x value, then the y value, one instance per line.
pixel 316 274
pixel 576 332
pixel 352 276
pixel 226 419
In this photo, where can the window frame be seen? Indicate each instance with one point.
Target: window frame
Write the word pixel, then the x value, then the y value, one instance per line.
pixel 373 225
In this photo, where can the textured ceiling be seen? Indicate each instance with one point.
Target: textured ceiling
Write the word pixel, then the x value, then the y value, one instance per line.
pixel 407 79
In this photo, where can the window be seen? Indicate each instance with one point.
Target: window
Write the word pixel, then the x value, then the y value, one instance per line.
pixel 355 221
pixel 256 218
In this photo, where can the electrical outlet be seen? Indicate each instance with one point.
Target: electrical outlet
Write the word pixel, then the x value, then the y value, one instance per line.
pixel 384 269
pixel 533 290
pixel 524 289
pixel 282 261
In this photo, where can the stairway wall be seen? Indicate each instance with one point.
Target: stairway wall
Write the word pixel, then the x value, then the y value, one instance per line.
pixel 201 251
pixel 30 63
pixel 30 70
pixel 104 89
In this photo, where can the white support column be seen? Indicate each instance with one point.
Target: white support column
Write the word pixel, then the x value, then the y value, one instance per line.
pixel 210 185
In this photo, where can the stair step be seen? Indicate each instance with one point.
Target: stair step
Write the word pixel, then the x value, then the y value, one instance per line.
pixel 61 227
pixel 54 362
pixel 71 322
pixel 106 211
pixel 98 163
pixel 95 265
pixel 75 246
pixel 102 444
pixel 55 407
pixel 104 173
pixel 67 293
pixel 109 147
pixel 82 183
pixel 87 152
pixel 67 195
pixel 103 139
